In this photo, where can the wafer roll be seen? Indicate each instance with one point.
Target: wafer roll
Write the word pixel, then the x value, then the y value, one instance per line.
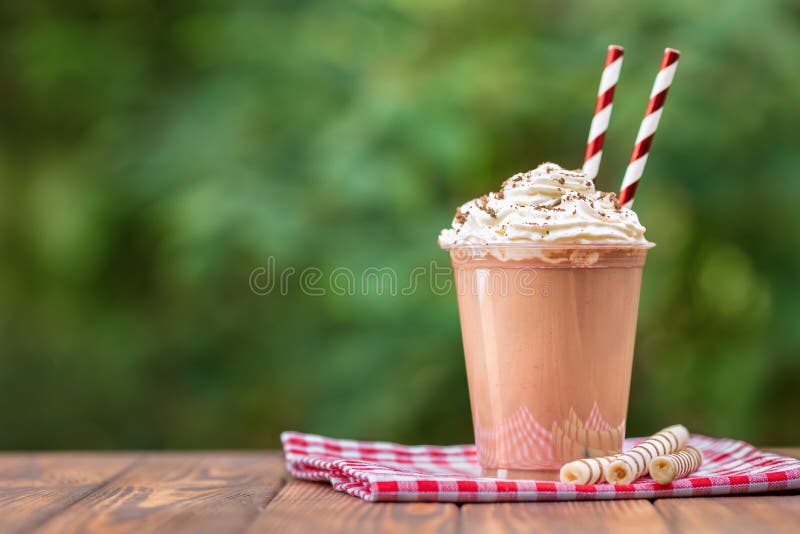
pixel 665 469
pixel 586 471
pixel 634 463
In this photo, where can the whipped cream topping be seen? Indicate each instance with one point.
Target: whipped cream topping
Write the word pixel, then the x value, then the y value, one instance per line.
pixel 546 205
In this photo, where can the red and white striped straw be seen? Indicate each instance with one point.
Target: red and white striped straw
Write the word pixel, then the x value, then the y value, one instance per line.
pixel 602 111
pixel 648 127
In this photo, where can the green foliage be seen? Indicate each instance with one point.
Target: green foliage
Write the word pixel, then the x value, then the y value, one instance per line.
pixel 152 154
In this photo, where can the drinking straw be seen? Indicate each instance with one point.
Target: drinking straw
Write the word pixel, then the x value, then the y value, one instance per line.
pixel 602 111
pixel 648 127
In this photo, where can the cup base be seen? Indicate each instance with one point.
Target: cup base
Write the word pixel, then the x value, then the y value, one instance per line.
pixel 521 474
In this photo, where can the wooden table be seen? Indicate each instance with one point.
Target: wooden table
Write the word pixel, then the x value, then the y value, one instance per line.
pixel 250 491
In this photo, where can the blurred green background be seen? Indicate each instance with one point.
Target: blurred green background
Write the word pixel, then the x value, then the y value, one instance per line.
pixel 153 153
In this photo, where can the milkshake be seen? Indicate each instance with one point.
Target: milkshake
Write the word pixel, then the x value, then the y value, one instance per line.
pixel 548 272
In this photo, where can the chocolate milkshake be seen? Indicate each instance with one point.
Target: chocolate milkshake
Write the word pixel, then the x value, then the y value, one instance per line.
pixel 548 272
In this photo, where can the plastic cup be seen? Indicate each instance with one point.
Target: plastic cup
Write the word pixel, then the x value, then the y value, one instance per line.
pixel 548 336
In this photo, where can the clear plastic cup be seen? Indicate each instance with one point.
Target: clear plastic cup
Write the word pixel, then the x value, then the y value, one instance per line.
pixel 548 335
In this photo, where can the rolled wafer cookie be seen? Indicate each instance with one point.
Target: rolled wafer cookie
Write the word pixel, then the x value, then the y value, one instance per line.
pixel 586 471
pixel 665 469
pixel 634 463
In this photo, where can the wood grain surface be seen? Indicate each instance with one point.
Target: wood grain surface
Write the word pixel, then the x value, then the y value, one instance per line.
pixel 595 516
pixel 746 513
pixel 178 492
pixel 35 487
pixel 224 492
pixel 311 507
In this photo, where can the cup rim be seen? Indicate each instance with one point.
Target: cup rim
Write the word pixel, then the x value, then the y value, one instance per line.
pixel 551 246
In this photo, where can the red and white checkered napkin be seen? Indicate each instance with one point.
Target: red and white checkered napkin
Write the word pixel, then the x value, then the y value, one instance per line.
pixel 379 471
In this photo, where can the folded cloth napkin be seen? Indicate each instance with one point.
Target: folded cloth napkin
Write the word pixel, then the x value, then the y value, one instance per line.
pixel 380 471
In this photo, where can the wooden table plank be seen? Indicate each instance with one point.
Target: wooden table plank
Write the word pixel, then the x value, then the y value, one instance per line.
pixel 179 492
pixel 36 486
pixel 315 507
pixel 231 492
pixel 586 516
pixel 745 513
